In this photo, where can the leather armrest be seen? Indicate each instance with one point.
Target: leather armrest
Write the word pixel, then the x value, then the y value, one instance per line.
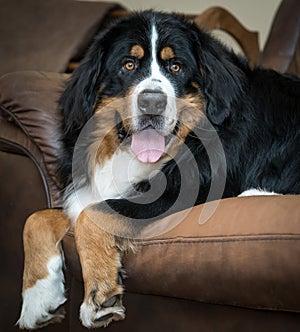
pixel 30 121
pixel 246 254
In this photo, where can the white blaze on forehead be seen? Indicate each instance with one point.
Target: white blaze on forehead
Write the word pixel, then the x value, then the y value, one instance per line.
pixel 156 80
pixel 155 71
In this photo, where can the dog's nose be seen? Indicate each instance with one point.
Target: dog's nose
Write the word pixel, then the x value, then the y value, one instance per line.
pixel 152 102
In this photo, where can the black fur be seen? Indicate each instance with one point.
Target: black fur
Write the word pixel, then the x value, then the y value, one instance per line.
pixel 256 113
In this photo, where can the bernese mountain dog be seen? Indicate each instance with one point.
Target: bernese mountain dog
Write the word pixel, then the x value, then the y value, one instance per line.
pixel 158 117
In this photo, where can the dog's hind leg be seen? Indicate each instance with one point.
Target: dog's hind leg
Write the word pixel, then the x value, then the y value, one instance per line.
pixel 43 279
pixel 100 256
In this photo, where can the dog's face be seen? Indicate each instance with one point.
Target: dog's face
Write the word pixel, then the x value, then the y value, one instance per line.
pixel 152 64
pixel 156 65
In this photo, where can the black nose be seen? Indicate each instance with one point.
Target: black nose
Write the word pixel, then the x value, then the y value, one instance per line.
pixel 152 102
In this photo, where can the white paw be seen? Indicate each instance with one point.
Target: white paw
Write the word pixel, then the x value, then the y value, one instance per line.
pixel 42 301
pixel 90 316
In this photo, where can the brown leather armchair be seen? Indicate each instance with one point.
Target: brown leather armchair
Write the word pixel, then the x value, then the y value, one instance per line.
pixel 237 272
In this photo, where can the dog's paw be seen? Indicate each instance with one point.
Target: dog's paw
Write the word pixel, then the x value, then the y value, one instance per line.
pixel 35 319
pixel 94 315
pixel 42 303
pixel 104 303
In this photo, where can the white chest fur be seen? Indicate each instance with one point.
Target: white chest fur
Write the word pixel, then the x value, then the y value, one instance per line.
pixel 112 180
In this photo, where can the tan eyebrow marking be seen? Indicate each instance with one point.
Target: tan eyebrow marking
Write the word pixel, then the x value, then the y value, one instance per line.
pixel 137 51
pixel 167 53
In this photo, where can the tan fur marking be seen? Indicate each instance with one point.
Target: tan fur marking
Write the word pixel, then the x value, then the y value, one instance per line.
pixel 43 232
pixel 167 53
pixel 106 136
pixel 108 146
pixel 191 110
pixel 137 51
pixel 105 103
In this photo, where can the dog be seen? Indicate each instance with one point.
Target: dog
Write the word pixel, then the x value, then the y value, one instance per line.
pixel 157 108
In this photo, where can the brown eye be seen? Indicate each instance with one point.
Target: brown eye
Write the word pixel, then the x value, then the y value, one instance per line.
pixel 129 66
pixel 175 67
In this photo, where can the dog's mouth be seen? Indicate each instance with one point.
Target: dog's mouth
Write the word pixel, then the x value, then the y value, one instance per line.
pixel 148 141
pixel 148 145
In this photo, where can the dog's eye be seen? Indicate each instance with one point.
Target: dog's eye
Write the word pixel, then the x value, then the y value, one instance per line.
pixel 129 65
pixel 175 67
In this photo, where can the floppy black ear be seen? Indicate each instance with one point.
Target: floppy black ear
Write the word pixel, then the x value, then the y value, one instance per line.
pixel 223 80
pixel 77 103
pixel 78 99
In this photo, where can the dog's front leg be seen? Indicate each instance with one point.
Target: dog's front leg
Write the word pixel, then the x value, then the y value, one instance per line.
pixel 43 278
pixel 100 256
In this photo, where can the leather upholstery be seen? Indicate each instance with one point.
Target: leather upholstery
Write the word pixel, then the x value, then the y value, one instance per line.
pixel 31 119
pixel 244 255
pixel 46 35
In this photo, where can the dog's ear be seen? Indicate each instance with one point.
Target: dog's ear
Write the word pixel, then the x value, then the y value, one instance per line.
pixel 78 99
pixel 223 80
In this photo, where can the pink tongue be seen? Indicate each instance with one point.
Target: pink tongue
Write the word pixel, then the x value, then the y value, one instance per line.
pixel 148 145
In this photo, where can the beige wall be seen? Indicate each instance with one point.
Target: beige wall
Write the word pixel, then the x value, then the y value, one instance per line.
pixel 254 14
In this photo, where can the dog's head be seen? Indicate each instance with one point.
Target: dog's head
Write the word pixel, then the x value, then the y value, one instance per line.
pixel 156 65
